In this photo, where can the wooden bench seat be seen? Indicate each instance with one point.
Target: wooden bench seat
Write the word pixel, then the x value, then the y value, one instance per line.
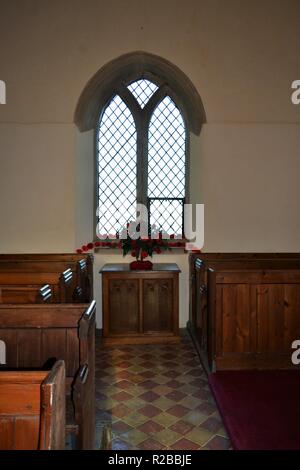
pixel 19 287
pixel 24 294
pixel 81 266
pixel 70 277
pixel 35 334
pixel 32 409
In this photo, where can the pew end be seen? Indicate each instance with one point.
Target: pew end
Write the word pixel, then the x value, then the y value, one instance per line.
pixel 33 334
pixel 84 403
pixel 32 409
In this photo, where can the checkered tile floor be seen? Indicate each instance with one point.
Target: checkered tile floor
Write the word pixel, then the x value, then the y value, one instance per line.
pixel 156 397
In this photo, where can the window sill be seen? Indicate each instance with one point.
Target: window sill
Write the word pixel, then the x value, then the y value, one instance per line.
pixel 113 247
pixel 177 249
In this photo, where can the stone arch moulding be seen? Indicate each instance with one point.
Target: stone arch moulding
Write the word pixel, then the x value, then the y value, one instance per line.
pixel 131 67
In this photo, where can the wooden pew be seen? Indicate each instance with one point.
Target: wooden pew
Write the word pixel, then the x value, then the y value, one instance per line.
pixel 28 287
pixel 84 280
pixel 12 284
pixel 52 257
pixel 253 317
pixel 32 409
pixel 26 295
pixel 81 266
pixel 35 334
pixel 201 261
pixel 199 265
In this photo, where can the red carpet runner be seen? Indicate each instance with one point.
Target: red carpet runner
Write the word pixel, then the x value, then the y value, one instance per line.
pixel 260 409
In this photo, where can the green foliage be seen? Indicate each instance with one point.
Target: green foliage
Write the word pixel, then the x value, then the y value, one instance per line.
pixel 142 248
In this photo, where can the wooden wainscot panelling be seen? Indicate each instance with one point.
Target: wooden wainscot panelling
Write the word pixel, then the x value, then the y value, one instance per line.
pixel 239 269
pixel 277 309
pixel 255 320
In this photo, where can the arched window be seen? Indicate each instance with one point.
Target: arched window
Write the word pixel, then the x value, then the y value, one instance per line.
pixel 142 158
pixel 143 109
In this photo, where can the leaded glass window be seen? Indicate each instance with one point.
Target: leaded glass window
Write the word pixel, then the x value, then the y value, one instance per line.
pixel 142 90
pixel 117 167
pixel 142 149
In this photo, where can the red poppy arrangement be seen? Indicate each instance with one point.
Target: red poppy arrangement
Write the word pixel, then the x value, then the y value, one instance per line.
pixel 140 248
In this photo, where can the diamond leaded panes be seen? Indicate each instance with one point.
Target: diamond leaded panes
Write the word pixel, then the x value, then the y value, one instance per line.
pixel 117 168
pixel 142 90
pixel 166 167
pixel 166 215
pixel 166 154
pixel 124 153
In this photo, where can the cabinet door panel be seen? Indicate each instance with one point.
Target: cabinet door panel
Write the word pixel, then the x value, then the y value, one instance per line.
pixel 123 306
pixel 158 304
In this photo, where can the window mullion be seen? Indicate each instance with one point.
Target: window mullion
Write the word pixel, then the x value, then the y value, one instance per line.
pixel 142 160
pixel 139 172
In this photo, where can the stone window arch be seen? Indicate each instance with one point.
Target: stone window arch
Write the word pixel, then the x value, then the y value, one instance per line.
pixel 156 152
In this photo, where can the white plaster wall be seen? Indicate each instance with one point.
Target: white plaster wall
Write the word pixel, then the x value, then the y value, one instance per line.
pixel 242 58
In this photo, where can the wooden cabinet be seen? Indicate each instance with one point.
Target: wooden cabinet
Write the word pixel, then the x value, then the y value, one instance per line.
pixel 140 306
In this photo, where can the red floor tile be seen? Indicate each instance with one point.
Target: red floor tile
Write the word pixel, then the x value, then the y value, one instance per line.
pixel 150 427
pixel 151 444
pixel 178 411
pixel 184 444
pixel 149 396
pixel 121 396
pixel 182 427
pixel 150 411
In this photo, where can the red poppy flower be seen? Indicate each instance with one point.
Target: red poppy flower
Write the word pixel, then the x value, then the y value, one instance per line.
pixel 84 248
pixel 144 254
pixel 79 250
pixel 90 246
pixel 158 250
pixel 133 253
pixel 172 236
pixel 97 244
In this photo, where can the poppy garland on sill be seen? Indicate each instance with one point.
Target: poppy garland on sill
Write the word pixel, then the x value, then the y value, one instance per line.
pixel 139 249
